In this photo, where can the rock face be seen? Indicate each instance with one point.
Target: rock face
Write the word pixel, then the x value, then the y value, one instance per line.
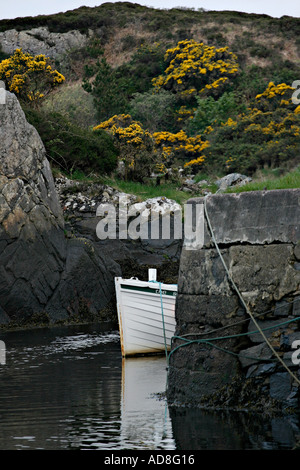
pixel 258 234
pixel 41 41
pixel 40 270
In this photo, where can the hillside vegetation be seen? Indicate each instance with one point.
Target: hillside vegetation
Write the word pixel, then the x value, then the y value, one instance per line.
pixel 169 92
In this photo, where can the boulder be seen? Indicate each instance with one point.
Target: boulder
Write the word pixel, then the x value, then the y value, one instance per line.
pixel 233 179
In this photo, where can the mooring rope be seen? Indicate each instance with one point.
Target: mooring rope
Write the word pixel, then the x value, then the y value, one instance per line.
pixel 241 297
pixel 163 319
pixel 208 341
pixel 230 325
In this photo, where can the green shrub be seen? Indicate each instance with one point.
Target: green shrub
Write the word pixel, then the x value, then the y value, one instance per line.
pixel 74 103
pixel 72 148
pixel 156 111
pixel 110 89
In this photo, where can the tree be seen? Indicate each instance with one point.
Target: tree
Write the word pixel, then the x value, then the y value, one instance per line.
pixel 109 89
pixel 71 147
pixel 267 135
pixel 211 112
pixel 156 111
pixel 31 78
pixel 134 144
pixel 179 148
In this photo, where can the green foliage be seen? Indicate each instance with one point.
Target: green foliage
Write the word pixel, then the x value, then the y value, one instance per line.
pixel 134 143
pixel 245 142
pixel 286 181
pixel 71 147
pixel 156 111
pixel 149 190
pixel 146 63
pixel 211 112
pixel 110 90
pixel 267 136
pixel 31 78
pixel 72 101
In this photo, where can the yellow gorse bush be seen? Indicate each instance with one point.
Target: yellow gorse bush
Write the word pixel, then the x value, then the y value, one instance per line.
pixel 274 90
pixel 194 67
pixel 180 145
pixel 269 132
pixel 31 78
pixel 135 144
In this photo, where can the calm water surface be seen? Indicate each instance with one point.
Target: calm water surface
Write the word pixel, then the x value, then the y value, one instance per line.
pixel 69 388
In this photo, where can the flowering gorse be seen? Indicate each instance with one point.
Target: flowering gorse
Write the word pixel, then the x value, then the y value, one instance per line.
pixel 31 78
pixel 194 67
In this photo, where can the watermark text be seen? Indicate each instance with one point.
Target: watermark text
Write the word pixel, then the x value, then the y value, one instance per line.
pixel 2 93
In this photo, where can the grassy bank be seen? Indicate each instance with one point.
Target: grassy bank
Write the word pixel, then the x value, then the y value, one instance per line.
pixel 269 182
pixel 147 191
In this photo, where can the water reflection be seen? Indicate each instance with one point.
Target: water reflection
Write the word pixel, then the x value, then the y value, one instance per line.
pixel 197 429
pixel 69 388
pixel 145 417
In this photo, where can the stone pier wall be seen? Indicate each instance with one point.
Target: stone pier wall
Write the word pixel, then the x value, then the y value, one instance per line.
pixel 258 234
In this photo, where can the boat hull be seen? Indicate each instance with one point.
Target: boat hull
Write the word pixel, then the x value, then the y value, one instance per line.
pixel 146 314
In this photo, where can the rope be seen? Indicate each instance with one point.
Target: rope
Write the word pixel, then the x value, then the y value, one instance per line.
pixel 240 334
pixel 163 319
pixel 209 340
pixel 230 325
pixel 242 300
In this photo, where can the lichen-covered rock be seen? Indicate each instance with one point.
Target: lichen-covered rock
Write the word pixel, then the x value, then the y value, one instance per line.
pixel 41 41
pixel 37 261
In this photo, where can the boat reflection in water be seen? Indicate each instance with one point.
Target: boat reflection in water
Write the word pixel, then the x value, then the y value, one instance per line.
pixel 70 388
pixel 145 422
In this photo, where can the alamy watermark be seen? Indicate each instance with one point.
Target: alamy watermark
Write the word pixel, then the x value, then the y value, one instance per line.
pixel 296 93
pixel 2 93
pixel 137 221
pixel 2 353
pixel 296 354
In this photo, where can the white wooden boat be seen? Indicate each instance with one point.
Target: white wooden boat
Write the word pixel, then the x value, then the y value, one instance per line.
pixel 146 315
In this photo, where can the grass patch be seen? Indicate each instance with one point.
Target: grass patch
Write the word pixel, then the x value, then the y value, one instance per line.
pixel 288 181
pixel 147 191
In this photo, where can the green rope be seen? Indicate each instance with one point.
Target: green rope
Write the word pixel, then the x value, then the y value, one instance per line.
pixel 239 334
pixel 230 325
pixel 218 338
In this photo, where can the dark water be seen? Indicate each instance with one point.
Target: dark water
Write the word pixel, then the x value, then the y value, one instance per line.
pixel 68 388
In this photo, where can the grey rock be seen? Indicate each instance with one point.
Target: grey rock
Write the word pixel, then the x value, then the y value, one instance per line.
pixel 280 386
pixel 296 306
pixel 254 217
pixel 282 308
pixel 268 327
pixel 42 41
pixel 34 256
pixel 40 270
pixel 255 354
pixel 258 370
pixel 297 251
pixel 233 179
